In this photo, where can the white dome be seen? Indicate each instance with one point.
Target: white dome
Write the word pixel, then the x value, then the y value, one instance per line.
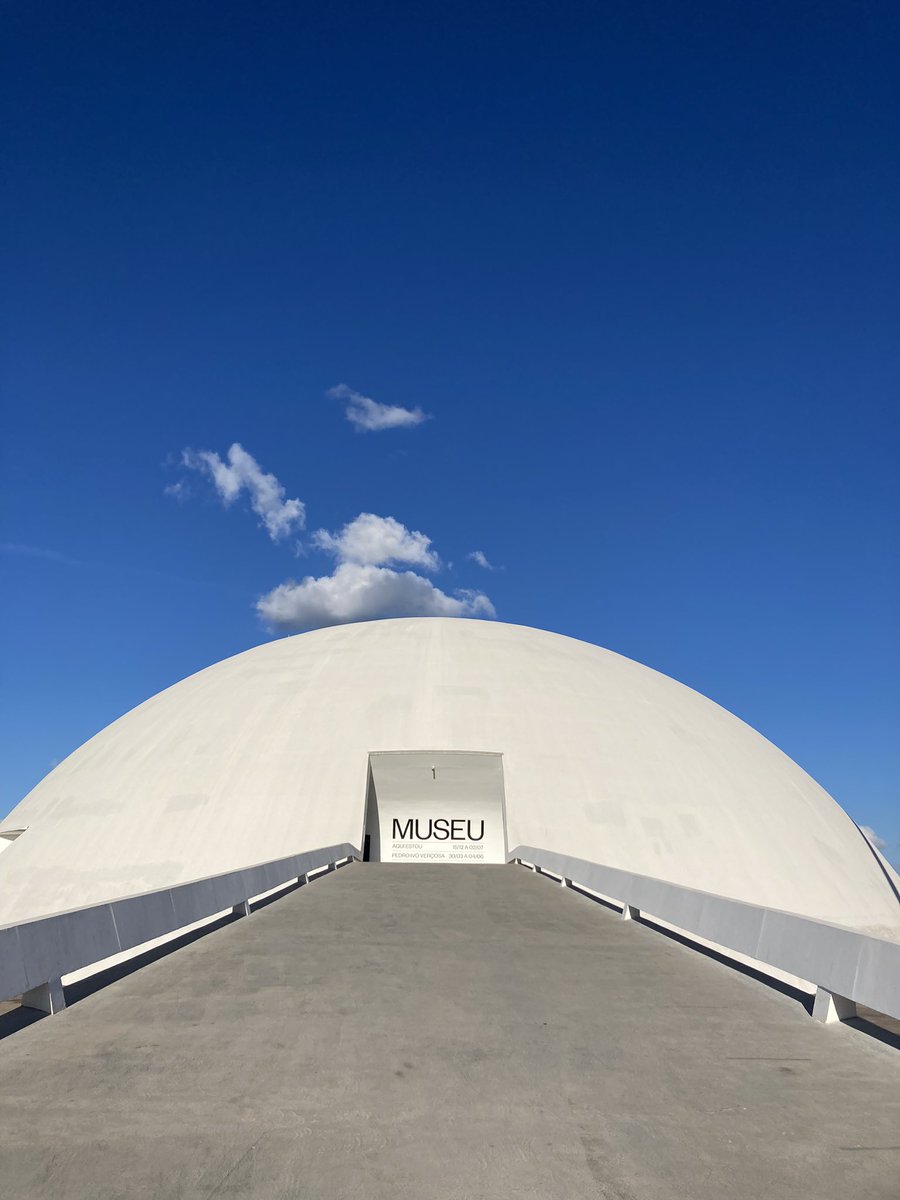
pixel 266 754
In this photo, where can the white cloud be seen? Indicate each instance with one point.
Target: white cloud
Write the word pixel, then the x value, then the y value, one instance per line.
pixel 180 490
pixel 871 836
pixel 371 540
pixel 364 592
pixel 363 586
pixel 368 416
pixel 479 557
pixel 20 551
pixel 242 473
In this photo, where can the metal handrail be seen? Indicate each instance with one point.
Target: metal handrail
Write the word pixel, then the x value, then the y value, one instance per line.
pixel 847 967
pixel 35 954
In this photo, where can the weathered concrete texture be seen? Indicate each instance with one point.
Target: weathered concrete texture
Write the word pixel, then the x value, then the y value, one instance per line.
pixel 404 1031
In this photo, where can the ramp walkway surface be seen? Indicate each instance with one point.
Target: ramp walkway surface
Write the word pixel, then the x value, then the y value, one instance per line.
pixel 454 1032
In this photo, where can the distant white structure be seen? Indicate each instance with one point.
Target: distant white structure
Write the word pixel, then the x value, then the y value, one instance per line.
pixel 438 740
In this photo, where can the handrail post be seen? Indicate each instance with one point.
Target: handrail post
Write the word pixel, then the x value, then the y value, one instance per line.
pixel 828 1007
pixel 46 997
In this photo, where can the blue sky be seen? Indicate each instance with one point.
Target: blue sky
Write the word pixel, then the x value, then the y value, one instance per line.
pixel 635 265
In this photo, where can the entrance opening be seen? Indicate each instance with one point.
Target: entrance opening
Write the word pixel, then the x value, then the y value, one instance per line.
pixel 436 806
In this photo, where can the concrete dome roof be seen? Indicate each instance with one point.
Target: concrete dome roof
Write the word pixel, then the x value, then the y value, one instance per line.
pixel 266 754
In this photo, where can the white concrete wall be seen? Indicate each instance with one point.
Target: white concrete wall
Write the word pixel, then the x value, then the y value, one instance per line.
pixel 266 754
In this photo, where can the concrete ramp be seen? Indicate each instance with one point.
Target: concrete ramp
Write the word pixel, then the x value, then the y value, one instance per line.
pixel 413 1031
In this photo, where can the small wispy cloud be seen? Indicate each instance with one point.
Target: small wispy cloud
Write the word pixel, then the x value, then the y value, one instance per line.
pixel 240 474
pixel 371 540
pixel 18 550
pixel 179 490
pixel 481 559
pixel 370 416
pixel 872 837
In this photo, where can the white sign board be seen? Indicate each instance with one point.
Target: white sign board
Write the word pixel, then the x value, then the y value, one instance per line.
pixel 436 807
